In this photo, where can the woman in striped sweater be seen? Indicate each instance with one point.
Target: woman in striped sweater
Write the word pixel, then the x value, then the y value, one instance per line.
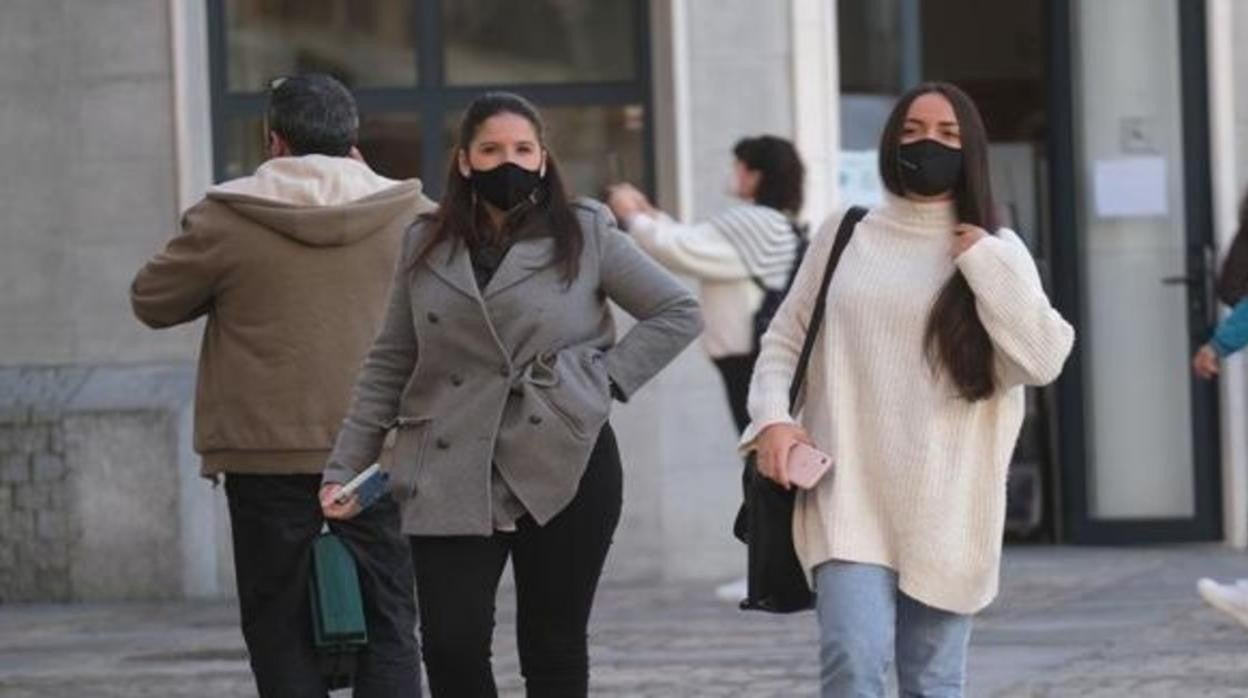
pixel 733 256
pixel 736 257
pixel 935 321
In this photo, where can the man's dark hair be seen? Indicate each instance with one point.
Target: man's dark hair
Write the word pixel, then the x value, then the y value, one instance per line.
pixel 314 114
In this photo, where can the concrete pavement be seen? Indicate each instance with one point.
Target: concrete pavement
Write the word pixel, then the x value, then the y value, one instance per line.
pixel 1069 622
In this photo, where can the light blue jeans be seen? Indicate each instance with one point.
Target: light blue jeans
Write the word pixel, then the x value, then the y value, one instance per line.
pixel 865 622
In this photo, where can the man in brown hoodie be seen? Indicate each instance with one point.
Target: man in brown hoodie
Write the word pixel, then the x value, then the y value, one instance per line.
pixel 291 267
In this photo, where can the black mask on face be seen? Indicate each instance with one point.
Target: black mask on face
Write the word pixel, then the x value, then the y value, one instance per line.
pixel 506 186
pixel 929 167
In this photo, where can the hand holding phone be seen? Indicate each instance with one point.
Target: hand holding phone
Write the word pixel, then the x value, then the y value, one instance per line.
pixel 367 487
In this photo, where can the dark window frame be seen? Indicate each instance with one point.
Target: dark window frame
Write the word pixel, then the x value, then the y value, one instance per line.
pixel 431 98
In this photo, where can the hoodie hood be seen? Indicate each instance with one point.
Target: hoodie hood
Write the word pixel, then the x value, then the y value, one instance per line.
pixel 319 200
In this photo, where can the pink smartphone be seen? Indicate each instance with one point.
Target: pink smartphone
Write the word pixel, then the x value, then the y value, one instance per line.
pixel 807 465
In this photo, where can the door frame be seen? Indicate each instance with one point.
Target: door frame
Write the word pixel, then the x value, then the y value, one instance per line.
pixel 1074 461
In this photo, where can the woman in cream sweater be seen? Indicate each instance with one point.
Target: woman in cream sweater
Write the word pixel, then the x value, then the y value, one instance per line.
pixel 936 319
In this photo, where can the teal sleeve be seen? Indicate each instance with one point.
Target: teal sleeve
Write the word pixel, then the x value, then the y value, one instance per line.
pixel 1232 332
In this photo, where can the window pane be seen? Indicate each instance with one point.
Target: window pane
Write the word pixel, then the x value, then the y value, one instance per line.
pixel 595 146
pixel 390 144
pixel 244 146
pixel 365 43
pixel 870 46
pixel 539 41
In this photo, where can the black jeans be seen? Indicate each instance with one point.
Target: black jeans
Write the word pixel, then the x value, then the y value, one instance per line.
pixel 556 571
pixel 736 371
pixel 275 519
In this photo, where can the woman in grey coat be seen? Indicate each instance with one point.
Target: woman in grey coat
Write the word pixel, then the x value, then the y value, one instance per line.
pixel 496 369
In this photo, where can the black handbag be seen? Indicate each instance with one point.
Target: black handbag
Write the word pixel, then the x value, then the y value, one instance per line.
pixel 776 582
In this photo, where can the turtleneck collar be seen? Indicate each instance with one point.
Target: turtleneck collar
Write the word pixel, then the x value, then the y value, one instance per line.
pixel 926 216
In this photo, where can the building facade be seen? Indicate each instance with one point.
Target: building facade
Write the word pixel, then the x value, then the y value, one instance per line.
pixel 1117 134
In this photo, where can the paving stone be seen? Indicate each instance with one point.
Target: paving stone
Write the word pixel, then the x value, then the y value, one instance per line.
pixel 1069 622
pixel 14 467
pixel 48 467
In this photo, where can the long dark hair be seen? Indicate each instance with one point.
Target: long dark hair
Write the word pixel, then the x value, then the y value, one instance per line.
pixel 780 168
pixel 1232 280
pixel 955 339
pixel 459 217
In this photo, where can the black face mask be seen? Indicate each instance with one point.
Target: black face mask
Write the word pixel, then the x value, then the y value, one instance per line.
pixel 928 167
pixel 506 186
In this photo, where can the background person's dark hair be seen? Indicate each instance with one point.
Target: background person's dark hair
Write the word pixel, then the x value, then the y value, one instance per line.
pixel 1232 279
pixel 315 114
pixel 781 172
pixel 955 338
pixel 459 217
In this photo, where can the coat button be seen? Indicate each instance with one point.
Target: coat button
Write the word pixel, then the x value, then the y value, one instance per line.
pixel 457 380
pixel 442 444
pixel 433 317
pixel 535 419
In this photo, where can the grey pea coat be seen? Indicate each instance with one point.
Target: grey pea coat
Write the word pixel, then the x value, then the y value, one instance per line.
pixel 516 375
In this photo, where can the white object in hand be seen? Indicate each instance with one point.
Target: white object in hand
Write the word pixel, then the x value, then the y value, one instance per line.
pixel 349 489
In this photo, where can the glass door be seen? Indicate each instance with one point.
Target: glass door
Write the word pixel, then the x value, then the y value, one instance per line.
pixel 1139 432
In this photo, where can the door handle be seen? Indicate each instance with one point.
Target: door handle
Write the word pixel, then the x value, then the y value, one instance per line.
pixel 1191 281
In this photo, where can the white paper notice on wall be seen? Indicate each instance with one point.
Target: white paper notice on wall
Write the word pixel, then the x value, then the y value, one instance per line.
pixel 1132 187
pixel 859 178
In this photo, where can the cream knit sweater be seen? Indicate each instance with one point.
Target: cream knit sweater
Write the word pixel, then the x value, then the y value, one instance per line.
pixel 919 481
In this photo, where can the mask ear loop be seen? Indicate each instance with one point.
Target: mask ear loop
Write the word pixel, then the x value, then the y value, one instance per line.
pixel 473 213
pixel 541 173
pixel 471 189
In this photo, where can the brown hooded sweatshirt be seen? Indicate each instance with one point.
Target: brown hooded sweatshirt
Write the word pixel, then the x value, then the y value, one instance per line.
pixel 292 267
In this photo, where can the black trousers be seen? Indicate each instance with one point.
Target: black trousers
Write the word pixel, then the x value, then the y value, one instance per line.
pixel 736 371
pixel 556 568
pixel 275 519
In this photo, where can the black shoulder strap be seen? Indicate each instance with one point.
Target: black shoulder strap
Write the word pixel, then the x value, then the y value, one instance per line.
pixel 803 244
pixel 843 233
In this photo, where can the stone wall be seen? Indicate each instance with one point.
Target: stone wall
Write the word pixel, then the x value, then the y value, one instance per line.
pixel 34 511
pixel 100 497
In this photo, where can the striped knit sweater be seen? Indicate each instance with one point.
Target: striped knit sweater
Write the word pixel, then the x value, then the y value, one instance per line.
pixel 726 254
pixel 919 481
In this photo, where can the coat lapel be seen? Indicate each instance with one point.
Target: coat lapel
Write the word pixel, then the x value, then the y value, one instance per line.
pixel 525 258
pixel 451 263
